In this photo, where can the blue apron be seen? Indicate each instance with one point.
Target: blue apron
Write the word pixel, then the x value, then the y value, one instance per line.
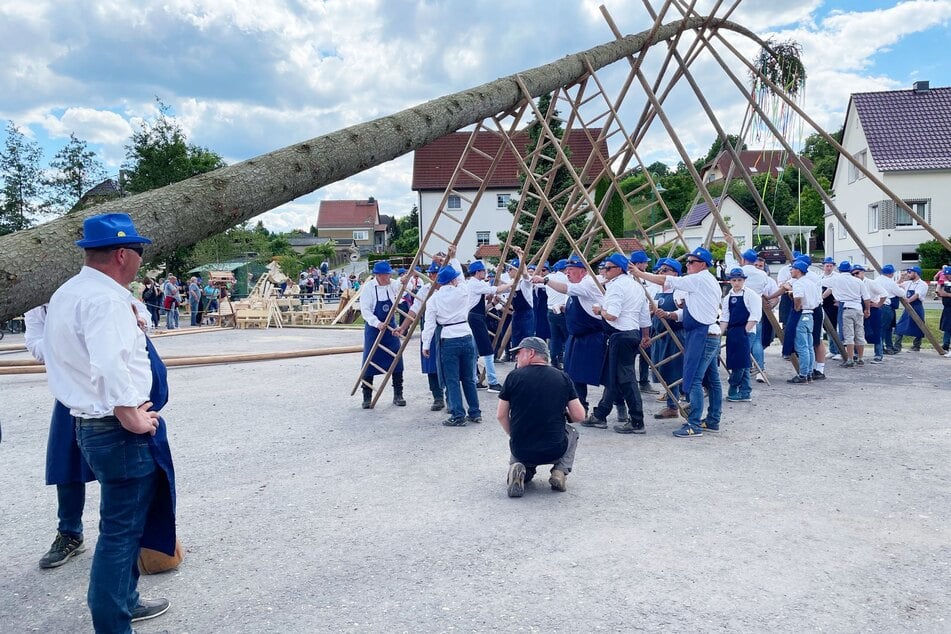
pixel 737 339
pixel 159 531
pixel 695 340
pixel 585 348
pixel 665 347
pixel 540 307
pixel 906 326
pixel 390 341
pixel 523 319
pixel 789 332
pixel 480 329
pixel 873 325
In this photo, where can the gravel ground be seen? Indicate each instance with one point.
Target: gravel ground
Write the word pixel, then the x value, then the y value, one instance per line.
pixel 823 507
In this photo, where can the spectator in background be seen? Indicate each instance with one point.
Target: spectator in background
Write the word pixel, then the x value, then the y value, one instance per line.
pixel 173 297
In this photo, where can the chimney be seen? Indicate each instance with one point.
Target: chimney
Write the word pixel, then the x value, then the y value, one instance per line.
pixel 922 87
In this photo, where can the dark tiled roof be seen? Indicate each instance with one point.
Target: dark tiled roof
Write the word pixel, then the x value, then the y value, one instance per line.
pixel 348 213
pixel 907 130
pixel 756 162
pixel 107 187
pixel 434 164
pixel 695 216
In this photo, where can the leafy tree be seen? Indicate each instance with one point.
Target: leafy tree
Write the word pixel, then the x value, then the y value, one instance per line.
pixel 75 169
pixel 321 252
pixel 775 193
pixel 406 238
pixel 680 190
pixel 717 145
pixel 21 178
pixel 614 211
pixel 933 255
pixel 822 155
pixel 160 155
pixel 561 181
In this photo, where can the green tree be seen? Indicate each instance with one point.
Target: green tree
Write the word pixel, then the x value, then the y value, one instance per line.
pixel 74 170
pixel 933 255
pixel 21 182
pixel 560 182
pixel 717 145
pixel 680 190
pixel 614 211
pixel 406 238
pixel 160 155
pixel 822 155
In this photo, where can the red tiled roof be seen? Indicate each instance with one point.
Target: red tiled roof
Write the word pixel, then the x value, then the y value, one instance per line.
pixel 434 164
pixel 630 244
pixel 757 162
pixel 488 251
pixel 348 213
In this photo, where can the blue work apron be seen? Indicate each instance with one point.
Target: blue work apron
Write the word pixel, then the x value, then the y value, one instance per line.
pixel 737 339
pixel 540 308
pixel 906 325
pixel 390 341
pixel 480 329
pixel 873 325
pixel 585 348
pixel 523 319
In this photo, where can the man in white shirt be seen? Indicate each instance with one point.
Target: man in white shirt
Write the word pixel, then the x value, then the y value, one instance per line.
pixel 701 338
pixel 627 315
pixel 556 313
pixel 98 366
pixel 893 292
pixel 806 298
pixel 873 321
pixel 376 301
pixel 853 297
pixel 448 308
pixel 741 310
pixel 757 281
pixel 916 289
pixel 640 260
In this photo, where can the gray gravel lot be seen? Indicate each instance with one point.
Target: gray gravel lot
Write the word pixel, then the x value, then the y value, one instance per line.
pixel 823 507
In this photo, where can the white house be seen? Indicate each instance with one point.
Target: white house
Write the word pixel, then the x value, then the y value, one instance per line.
pixel 434 165
pixel 696 224
pixel 904 138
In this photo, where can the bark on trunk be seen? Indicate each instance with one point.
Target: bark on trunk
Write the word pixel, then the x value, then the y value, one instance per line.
pixel 35 262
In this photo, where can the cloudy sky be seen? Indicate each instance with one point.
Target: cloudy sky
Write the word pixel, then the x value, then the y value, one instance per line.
pixel 244 77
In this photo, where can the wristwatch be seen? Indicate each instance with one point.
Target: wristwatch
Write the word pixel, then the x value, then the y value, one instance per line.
pixel 545 280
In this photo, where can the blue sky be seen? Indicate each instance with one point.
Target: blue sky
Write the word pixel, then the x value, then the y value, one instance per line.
pixel 244 77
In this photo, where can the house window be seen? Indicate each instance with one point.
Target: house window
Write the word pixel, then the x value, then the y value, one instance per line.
pixel 874 219
pixel 501 201
pixel 920 207
pixel 361 235
pixel 454 202
pixel 854 173
pixel 909 256
pixel 482 238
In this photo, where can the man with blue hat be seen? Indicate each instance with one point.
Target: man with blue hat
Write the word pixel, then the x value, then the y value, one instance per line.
pixel 665 351
pixel 740 312
pixel 890 307
pixel 585 346
pixel 806 298
pixel 448 309
pixel 640 260
pixel 916 289
pixel 555 304
pixel 101 366
pixel 376 300
pixel 540 302
pixel 829 306
pixel 478 288
pixel 627 325
pixel 522 317
pixel 701 338
pixel 854 305
pixel 873 321
pixel 757 281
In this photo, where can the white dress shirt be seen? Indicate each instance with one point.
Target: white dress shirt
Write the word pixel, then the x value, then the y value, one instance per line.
pixel 756 279
pixel 920 287
pixel 848 291
pixel 752 300
pixel 35 322
pixel 892 289
pixel 447 307
pixel 624 298
pixel 371 293
pixel 96 357
pixel 556 300
pixel 703 297
pixel 476 289
pixel 810 292
pixel 875 290
pixel 587 293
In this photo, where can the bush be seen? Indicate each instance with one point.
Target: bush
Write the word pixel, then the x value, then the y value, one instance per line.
pixel 933 255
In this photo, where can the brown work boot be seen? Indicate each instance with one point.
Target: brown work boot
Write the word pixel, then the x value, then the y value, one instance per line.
pixel 516 480
pixel 557 480
pixel 667 412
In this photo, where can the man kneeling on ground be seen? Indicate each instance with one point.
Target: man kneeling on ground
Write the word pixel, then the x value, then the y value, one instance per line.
pixel 534 403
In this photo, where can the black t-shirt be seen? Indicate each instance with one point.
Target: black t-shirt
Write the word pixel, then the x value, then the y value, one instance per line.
pixel 538 396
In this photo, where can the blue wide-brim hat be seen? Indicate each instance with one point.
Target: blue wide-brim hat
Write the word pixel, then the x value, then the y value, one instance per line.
pixel 108 230
pixel 857 267
pixel 433 268
pixel 799 265
pixel 750 255
pixel 476 266
pixel 639 256
pixel 447 274
pixel 828 260
pixel 382 267
pixel 736 273
pixel 888 269
pixel 845 266
pixel 672 263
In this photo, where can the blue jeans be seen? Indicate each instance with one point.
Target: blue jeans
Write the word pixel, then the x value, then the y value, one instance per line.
pixel 670 371
pixel 193 310
pixel 708 375
pixel 171 318
pixel 807 354
pixel 71 499
pixel 457 359
pixel 740 386
pixel 126 470
pixel 756 345
pixel 490 376
pixel 559 335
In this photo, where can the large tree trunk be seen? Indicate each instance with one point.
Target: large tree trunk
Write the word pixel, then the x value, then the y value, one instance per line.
pixel 35 262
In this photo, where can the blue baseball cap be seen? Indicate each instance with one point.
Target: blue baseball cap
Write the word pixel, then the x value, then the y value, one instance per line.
pixel 916 269
pixel 476 266
pixel 382 267
pixel 736 273
pixel 618 260
pixel 946 270
pixel 828 260
pixel 109 230
pixel 857 267
pixel 671 263
pixel 845 266
pixel 639 256
pixel 447 274
pixel 531 267
pixel 575 262
pixel 796 254
pixel 704 255
pixel 799 265
pixel 433 268
pixel 804 257
pixel 560 265
pixel 888 269
pixel 750 255
pixel 513 263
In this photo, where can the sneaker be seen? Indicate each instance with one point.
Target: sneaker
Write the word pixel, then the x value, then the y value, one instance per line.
pixel 438 405
pixel 622 414
pixel 876 360
pixel 835 357
pixel 594 421
pixel 667 412
pixel 481 386
pixel 890 351
pixel 760 378
pixel 739 399
pixel 149 609
pixel 455 422
pixel 818 376
pixel 798 379
pixel 495 388
pixel 860 362
pixel 848 364
pixel 647 388
pixel 629 428
pixel 516 480
pixel 688 432
pixel 63 549
pixel 474 419
pixel 713 428
pixel 557 480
